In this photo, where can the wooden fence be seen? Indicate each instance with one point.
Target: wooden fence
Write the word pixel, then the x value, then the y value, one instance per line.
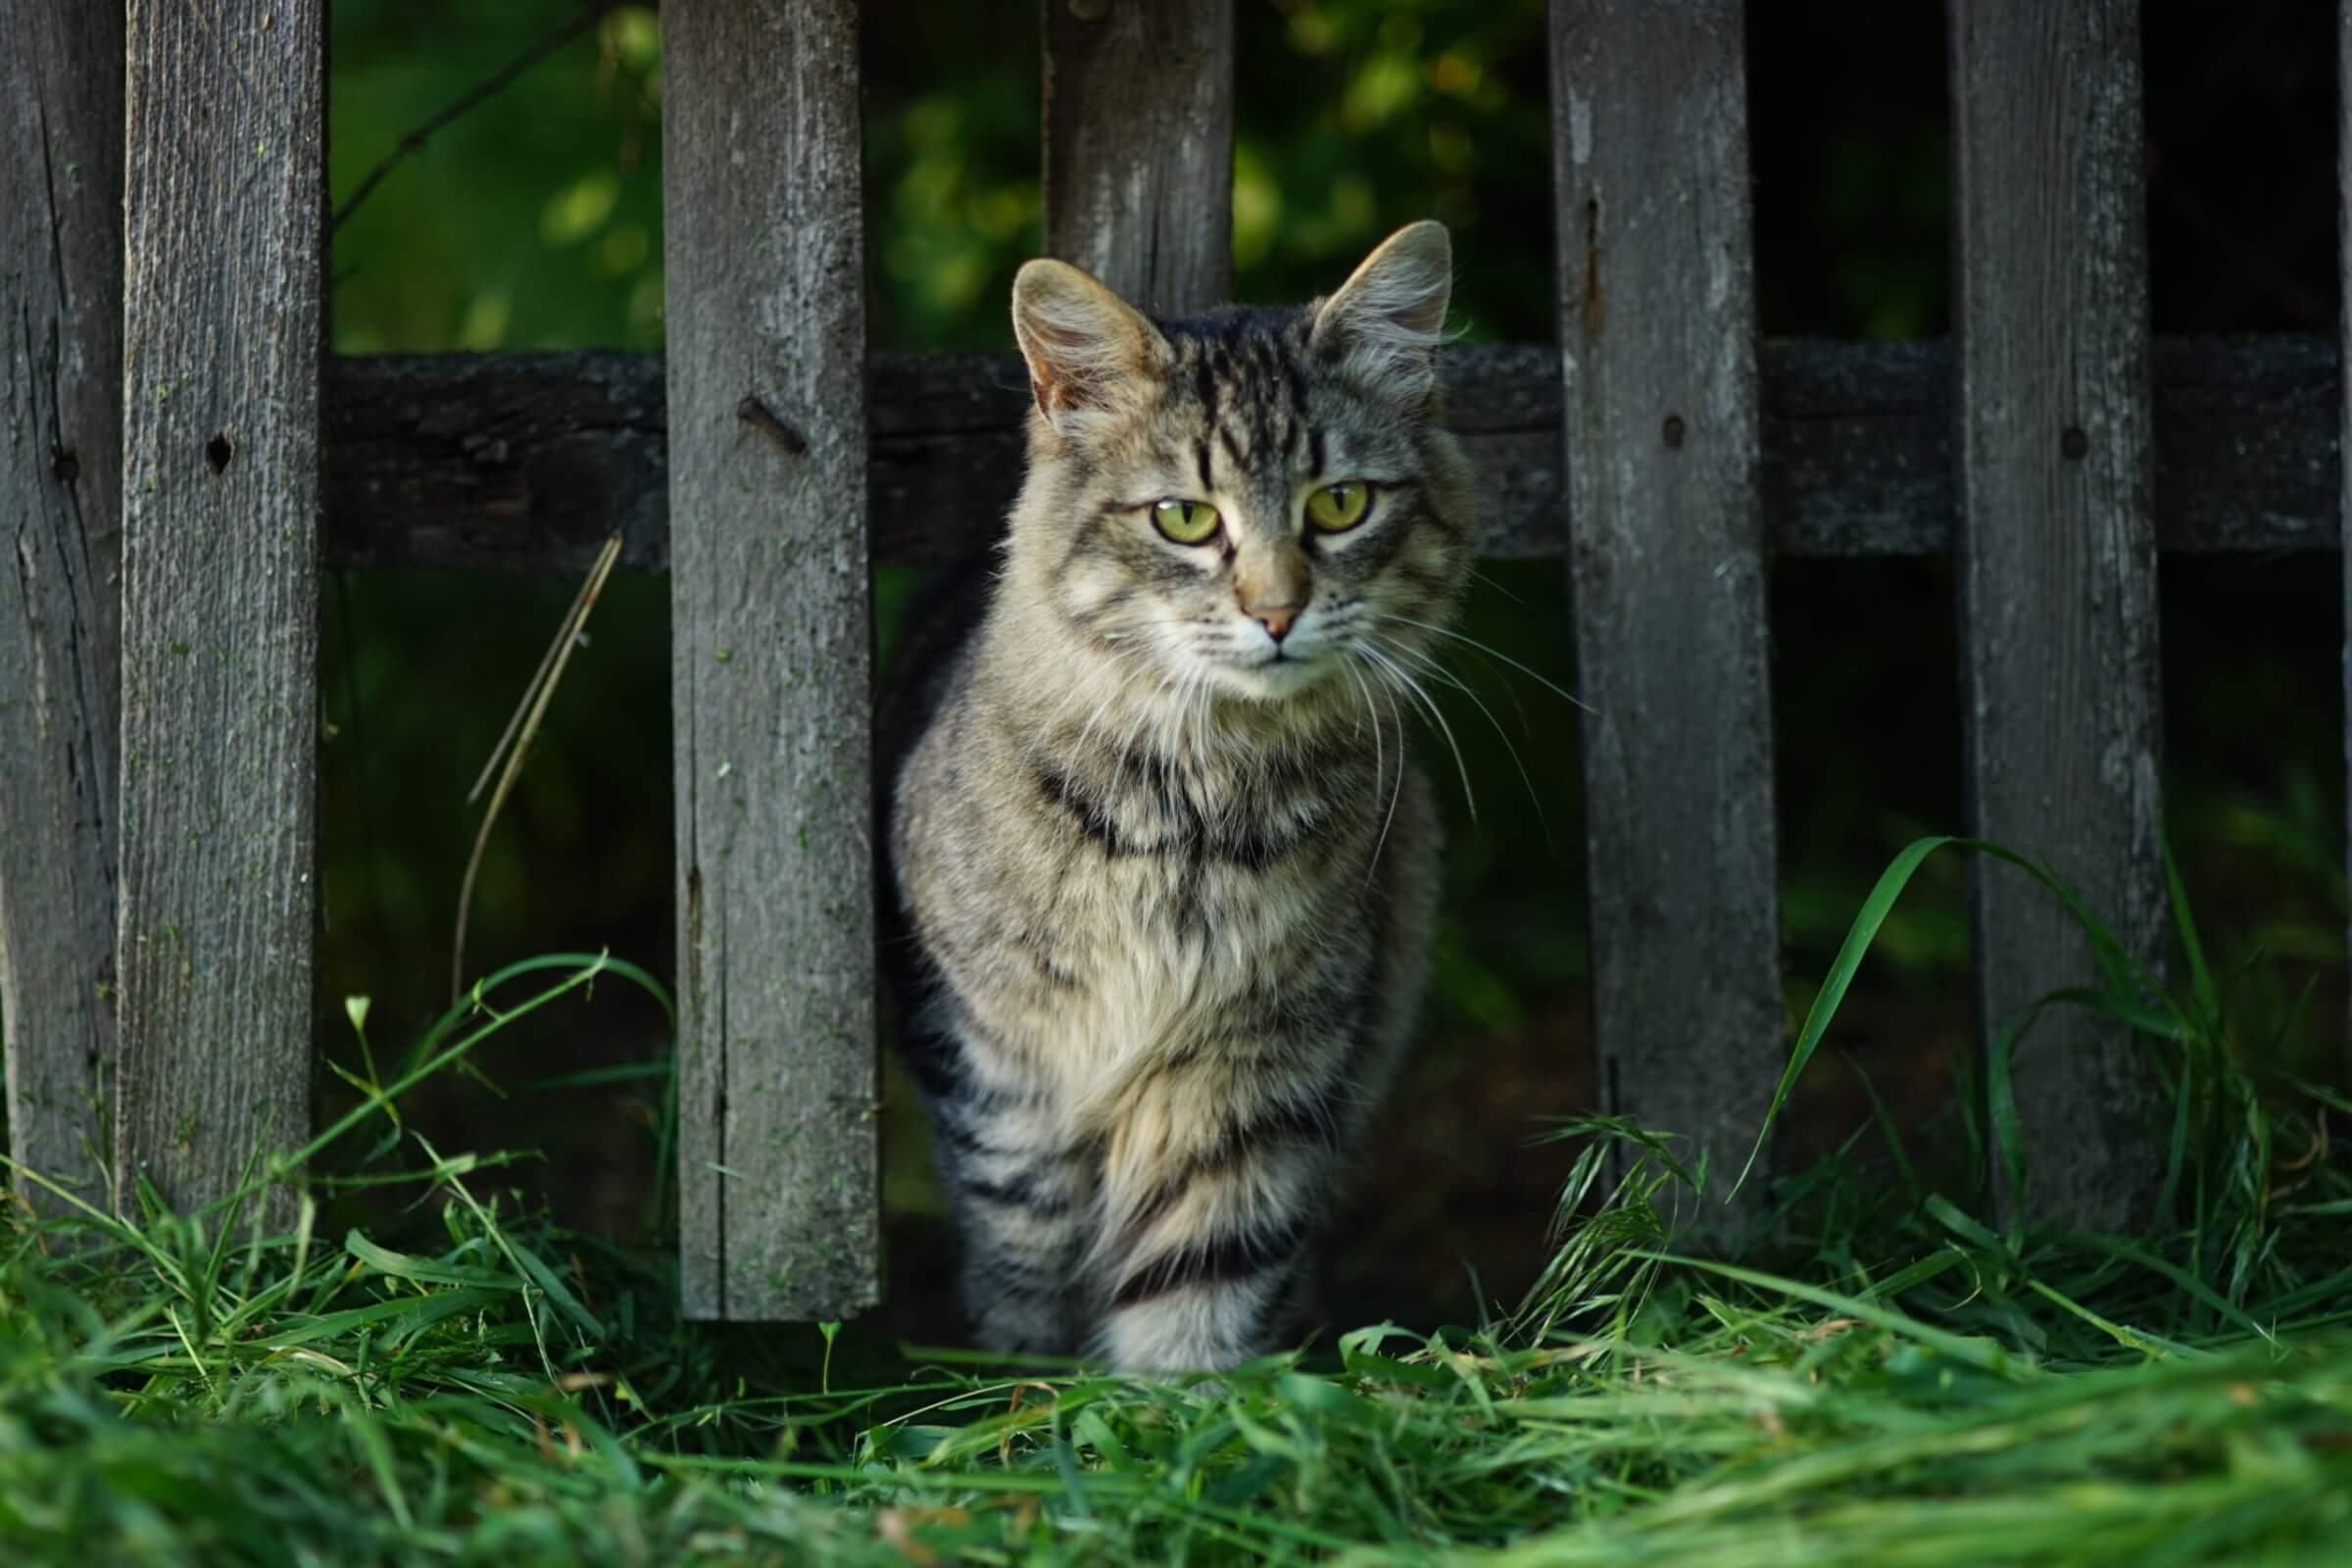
pixel 181 458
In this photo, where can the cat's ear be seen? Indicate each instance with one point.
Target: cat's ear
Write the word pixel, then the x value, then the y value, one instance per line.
pixel 1384 324
pixel 1087 348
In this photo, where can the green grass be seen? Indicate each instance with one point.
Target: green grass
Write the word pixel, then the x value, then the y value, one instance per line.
pixel 1897 1376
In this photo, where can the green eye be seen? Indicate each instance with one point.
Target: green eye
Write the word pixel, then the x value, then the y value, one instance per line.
pixel 1338 507
pixel 1188 523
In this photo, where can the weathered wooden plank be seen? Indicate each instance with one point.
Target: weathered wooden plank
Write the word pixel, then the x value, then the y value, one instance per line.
pixel 771 649
pixel 1666 561
pixel 2058 562
pixel 61 490
pixel 529 461
pixel 221 357
pixel 1138 146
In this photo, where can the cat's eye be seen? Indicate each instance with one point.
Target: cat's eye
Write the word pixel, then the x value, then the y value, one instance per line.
pixel 1188 523
pixel 1338 507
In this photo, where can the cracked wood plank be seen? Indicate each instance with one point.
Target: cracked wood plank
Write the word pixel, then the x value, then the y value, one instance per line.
pixel 224 247
pixel 1665 542
pixel 60 464
pixel 2057 548
pixel 772 648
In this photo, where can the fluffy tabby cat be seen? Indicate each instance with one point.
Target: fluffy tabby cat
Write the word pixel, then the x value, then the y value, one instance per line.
pixel 1164 867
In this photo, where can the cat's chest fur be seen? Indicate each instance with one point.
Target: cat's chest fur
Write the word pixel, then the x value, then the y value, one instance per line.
pixel 1139 901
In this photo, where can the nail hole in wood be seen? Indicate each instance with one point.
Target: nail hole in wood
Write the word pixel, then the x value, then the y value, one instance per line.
pixel 65 465
pixel 1674 431
pixel 2074 443
pixel 218 452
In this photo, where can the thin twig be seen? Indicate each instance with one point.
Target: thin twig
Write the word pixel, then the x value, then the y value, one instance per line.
pixel 568 637
pixel 531 693
pixel 485 88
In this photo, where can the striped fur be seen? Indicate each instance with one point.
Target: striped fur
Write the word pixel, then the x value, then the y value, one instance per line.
pixel 1166 879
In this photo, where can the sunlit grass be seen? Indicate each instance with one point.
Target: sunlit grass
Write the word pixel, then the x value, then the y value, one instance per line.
pixel 1905 1376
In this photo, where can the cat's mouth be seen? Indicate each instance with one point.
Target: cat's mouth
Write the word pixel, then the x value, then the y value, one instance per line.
pixel 1275 675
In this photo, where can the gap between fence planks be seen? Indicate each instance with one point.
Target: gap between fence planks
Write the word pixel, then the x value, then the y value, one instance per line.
pixel 221 357
pixel 528 461
pixel 771 632
pixel 61 490
pixel 2057 549
pixel 1666 563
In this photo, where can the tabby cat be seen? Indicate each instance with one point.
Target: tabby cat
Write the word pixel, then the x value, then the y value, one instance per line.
pixel 1165 870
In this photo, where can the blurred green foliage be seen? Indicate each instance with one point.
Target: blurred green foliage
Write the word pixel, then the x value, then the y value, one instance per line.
pixel 534 220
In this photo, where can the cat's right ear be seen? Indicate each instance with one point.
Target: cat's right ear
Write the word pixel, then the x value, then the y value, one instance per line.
pixel 1087 348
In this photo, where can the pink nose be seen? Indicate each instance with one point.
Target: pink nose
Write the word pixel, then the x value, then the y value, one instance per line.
pixel 1275 619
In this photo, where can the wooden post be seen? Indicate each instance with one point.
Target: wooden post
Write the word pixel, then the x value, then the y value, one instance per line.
pixel 225 221
pixel 1658 360
pixel 2058 562
pixel 771 642
pixel 1139 147
pixel 61 542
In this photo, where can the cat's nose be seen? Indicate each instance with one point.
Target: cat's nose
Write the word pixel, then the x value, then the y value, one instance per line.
pixel 1276 618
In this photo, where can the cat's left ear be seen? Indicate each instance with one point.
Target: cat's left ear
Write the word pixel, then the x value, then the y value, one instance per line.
pixel 1386 321
pixel 1088 350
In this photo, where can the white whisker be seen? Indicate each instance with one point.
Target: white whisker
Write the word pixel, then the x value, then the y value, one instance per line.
pixel 1429 704
pixel 1408 620
pixel 1432 666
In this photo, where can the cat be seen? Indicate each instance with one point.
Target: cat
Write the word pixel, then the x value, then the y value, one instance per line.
pixel 1166 872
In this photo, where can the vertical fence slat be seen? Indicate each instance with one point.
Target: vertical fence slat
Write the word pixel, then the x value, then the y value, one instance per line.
pixel 2058 562
pixel 1658 357
pixel 61 466
pixel 771 644
pixel 1138 146
pixel 222 242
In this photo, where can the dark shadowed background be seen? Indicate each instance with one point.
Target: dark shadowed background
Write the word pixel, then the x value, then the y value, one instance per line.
pixel 535 221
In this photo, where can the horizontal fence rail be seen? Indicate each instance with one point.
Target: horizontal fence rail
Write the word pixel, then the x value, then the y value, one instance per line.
pixel 529 461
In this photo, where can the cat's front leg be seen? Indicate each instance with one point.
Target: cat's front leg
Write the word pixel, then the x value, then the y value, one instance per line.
pixel 1019 1182
pixel 1215 1181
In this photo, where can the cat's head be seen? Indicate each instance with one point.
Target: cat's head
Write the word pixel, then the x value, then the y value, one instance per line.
pixel 1254 502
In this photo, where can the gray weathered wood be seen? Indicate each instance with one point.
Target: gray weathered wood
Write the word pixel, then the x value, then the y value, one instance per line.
pixel 1666 561
pixel 1138 146
pixel 771 649
pixel 221 357
pixel 529 461
pixel 2058 562
pixel 61 466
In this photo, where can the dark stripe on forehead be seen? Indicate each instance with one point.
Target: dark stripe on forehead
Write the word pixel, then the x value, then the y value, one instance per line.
pixel 1264 395
pixel 1295 381
pixel 1200 452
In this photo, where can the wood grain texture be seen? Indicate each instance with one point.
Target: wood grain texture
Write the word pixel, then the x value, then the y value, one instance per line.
pixel 219 597
pixel 1660 414
pixel 61 542
pixel 221 357
pixel 2058 562
pixel 528 461
pixel 771 656
pixel 1138 146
